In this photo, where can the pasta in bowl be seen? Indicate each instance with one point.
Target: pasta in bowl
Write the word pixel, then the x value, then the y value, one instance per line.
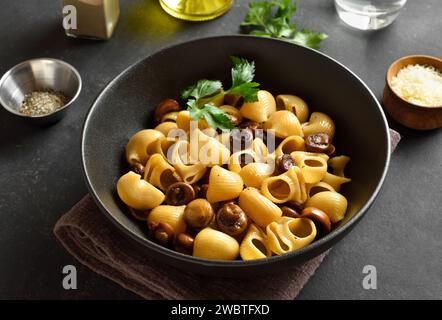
pixel 240 174
pixel 308 83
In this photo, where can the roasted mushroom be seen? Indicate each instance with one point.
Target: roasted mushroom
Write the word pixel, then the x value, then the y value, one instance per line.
pixel 164 107
pixel 138 168
pixel 198 214
pixel 319 217
pixel 317 142
pixel 284 163
pixel 184 243
pixel 179 194
pixel 231 219
pixel 162 233
pixel 234 100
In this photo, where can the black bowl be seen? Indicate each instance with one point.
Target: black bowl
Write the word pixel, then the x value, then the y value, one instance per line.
pixel 126 104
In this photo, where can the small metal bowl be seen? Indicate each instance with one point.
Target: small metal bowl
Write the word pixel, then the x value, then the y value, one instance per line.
pixel 39 74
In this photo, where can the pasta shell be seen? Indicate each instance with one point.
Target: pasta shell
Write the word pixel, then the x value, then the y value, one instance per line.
pixel 289 145
pixel 315 188
pixel 260 209
pixel 335 181
pixel 239 158
pixel 138 193
pixel 166 127
pixel 313 168
pixel 279 189
pixel 294 104
pixel 189 172
pixel 254 244
pixel 215 245
pixel 290 234
pixel 284 124
pixel 260 110
pixel 171 116
pixel 223 185
pixel 160 173
pixel 319 122
pixel 207 150
pixel 260 150
pixel 183 121
pixel 338 164
pixel 138 145
pixel 172 215
pixel 332 203
pixel 254 174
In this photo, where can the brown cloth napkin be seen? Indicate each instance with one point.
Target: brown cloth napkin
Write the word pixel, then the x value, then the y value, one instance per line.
pixel 92 239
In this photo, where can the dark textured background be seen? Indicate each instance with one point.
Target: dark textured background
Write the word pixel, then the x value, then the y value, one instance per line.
pixel 41 178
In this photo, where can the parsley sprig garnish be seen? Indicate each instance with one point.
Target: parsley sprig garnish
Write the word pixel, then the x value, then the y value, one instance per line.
pixel 243 73
pixel 273 19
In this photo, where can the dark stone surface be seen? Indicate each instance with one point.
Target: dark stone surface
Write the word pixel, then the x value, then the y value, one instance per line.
pixel 41 178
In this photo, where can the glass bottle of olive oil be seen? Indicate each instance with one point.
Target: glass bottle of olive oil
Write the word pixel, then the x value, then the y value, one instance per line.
pixel 196 10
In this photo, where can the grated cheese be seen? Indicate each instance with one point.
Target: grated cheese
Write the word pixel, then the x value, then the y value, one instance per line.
pixel 421 85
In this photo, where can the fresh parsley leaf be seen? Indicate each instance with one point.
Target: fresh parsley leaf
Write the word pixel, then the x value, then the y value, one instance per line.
pixel 217 118
pixel 278 25
pixel 309 38
pixel 202 88
pixel 243 72
pixel 249 91
pixel 258 14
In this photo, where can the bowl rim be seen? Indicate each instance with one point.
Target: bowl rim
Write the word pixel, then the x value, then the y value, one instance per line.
pixel 316 245
pixel 389 76
pixel 71 101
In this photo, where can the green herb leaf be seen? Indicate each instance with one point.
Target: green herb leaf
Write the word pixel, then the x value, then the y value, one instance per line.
pixel 202 88
pixel 309 38
pixel 217 118
pixel 249 91
pixel 259 13
pixel 278 25
pixel 243 71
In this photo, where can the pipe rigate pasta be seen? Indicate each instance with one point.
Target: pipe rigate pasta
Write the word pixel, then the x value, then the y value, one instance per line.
pixel 332 203
pixel 261 110
pixel 254 244
pixel 279 189
pixel 137 149
pixel 294 104
pixel 253 174
pixel 166 127
pixel 189 172
pixel 335 181
pixel 215 245
pixel 160 173
pixel 283 123
pixel 319 123
pixel 290 144
pixel 138 193
pixel 315 188
pixel 223 185
pixel 338 164
pixel 240 158
pixel 289 234
pixel 260 209
pixel 172 215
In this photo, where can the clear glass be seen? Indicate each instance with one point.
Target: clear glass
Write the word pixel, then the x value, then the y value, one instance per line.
pixel 196 10
pixel 369 14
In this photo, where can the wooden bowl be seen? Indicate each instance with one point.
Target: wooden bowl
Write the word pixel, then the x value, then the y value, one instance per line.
pixel 409 114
